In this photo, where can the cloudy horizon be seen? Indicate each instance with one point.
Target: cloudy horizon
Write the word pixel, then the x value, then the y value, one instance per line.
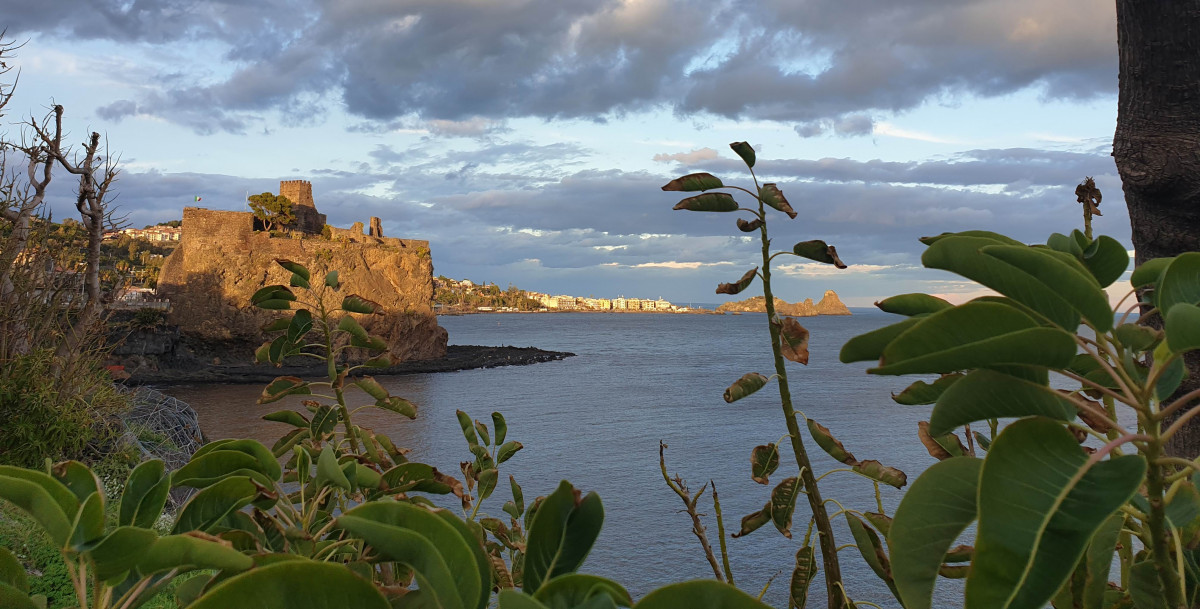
pixel 527 139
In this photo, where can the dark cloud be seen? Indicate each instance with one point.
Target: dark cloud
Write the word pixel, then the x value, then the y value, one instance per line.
pixel 463 67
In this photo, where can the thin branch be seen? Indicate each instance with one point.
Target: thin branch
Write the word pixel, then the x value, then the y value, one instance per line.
pixel 689 502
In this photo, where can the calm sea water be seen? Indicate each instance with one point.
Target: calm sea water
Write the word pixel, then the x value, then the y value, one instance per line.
pixel 596 420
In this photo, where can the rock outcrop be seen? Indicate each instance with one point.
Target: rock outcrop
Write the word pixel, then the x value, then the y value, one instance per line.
pixel 830 305
pixel 221 261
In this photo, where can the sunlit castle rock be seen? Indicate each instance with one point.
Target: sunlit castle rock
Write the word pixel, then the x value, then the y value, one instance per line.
pixel 830 305
pixel 224 257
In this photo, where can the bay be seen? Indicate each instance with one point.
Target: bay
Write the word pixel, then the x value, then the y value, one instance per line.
pixel 596 420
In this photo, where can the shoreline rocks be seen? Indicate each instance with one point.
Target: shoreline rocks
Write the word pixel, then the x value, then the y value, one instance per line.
pixel 829 304
pixel 457 357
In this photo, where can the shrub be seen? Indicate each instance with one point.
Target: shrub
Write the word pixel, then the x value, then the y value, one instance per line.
pixel 47 420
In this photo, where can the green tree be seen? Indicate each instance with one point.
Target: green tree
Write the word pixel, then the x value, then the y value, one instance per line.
pixel 275 211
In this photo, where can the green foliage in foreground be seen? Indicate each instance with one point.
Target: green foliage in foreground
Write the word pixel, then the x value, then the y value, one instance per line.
pixel 1050 513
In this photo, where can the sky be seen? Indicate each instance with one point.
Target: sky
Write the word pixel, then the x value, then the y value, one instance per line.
pixel 527 140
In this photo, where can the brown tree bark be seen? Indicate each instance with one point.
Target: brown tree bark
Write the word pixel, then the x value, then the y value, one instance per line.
pixel 1157 142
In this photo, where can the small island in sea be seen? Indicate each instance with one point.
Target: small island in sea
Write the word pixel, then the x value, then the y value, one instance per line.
pixel 829 304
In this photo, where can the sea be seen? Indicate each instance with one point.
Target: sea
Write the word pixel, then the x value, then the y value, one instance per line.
pixel 596 419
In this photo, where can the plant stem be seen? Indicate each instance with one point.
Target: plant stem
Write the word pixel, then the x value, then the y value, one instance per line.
pixel 721 534
pixel 829 558
pixel 331 363
pixel 1157 520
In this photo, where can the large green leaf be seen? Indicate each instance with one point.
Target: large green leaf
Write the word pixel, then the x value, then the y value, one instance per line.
pixel 144 495
pixel 514 599
pixel 699 594
pixel 121 550
pixel 357 304
pixel 212 504
pixel 963 255
pixel 12 598
pixel 1106 259
pixel 1149 272
pixel 744 150
pixel 329 473
pixel 78 478
pixel 208 468
pixel 40 503
pixel 1098 560
pixel 12 572
pixel 575 589
pixel 291 417
pixel 773 197
pixel 453 567
pixel 1040 501
pixel 89 521
pixel 294 584
pixel 192 550
pixel 561 535
pixel 932 514
pixel 282 387
pixel 709 201
pixel 869 347
pixel 921 393
pixel 1183 328
pixel 693 182
pixel 818 250
pixel 987 394
pixel 974 335
pixel 1063 275
pixel 912 304
pixel 984 234
pixel 1179 283
pixel 872 550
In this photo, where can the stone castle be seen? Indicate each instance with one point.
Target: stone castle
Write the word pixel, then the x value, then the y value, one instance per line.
pixel 225 256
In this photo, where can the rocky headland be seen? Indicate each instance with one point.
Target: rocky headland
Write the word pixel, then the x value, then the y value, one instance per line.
pixel 829 304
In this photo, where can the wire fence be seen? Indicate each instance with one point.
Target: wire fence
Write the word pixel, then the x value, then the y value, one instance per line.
pixel 162 427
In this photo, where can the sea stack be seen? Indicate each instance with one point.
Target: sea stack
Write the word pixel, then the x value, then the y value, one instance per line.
pixel 831 305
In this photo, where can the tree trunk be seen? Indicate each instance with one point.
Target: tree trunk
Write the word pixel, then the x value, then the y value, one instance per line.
pixel 1157 142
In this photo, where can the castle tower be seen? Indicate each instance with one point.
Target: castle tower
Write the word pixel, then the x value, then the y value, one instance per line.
pixel 298 192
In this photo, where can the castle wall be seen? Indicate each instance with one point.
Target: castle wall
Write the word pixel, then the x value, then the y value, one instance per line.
pixel 222 261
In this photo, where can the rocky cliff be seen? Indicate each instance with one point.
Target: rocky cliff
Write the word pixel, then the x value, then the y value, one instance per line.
pixel 222 261
pixel 830 304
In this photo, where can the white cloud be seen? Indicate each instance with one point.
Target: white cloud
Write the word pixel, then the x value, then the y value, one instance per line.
pixel 890 130
pixel 687 158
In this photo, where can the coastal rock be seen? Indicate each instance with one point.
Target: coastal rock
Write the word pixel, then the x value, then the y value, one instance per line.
pixel 829 305
pixel 221 261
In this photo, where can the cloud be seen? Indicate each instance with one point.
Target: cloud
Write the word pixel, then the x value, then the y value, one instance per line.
pixel 687 158
pixel 888 129
pixel 822 65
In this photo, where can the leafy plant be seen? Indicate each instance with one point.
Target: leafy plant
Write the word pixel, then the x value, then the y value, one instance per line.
pixel 1050 512
pixel 110 565
pixel 789 342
